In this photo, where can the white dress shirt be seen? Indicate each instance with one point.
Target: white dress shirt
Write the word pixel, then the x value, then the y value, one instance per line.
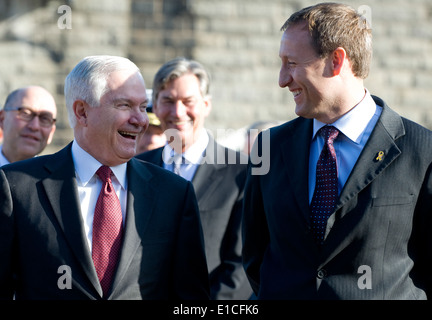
pixel 89 186
pixel 3 159
pixel 192 157
pixel 355 128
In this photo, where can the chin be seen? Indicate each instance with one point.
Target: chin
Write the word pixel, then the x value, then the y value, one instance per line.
pixel 303 112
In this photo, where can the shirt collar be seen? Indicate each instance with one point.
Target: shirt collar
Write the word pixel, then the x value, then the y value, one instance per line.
pixel 353 123
pixel 195 152
pixel 3 159
pixel 86 166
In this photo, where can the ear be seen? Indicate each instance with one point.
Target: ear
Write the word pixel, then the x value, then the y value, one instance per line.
pixel 2 115
pixel 207 105
pixel 154 107
pixel 51 135
pixel 339 58
pixel 80 110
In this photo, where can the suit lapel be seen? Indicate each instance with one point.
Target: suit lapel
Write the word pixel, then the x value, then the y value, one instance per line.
pixel 61 190
pixel 140 206
pixel 155 156
pixel 368 166
pixel 206 173
pixel 380 151
pixel 295 153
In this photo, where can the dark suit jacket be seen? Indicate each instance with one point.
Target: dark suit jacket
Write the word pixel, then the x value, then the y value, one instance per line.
pixel 219 185
pixel 377 237
pixel 41 230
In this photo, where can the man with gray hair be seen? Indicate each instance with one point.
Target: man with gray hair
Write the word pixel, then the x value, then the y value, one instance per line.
pixel 92 222
pixel 181 101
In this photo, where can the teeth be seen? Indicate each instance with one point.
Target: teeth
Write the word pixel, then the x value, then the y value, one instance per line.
pixel 133 134
pixel 180 123
pixel 296 93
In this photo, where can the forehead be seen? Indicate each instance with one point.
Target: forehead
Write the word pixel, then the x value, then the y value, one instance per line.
pixel 37 100
pixel 185 85
pixel 296 41
pixel 126 83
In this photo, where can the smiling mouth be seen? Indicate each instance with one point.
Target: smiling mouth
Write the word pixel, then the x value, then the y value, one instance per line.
pixel 296 92
pixel 181 123
pixel 128 135
pixel 30 137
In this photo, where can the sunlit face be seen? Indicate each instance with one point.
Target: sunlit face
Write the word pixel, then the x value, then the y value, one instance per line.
pixel 25 139
pixel 181 107
pixel 110 132
pixel 305 74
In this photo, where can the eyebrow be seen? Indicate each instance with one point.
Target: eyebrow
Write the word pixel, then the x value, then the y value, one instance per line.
pixel 32 109
pixel 171 97
pixel 117 100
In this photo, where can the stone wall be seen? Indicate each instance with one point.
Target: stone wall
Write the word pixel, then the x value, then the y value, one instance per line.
pixel 237 40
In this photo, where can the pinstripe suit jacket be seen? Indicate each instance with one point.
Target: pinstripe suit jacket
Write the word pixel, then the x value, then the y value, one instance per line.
pixel 377 243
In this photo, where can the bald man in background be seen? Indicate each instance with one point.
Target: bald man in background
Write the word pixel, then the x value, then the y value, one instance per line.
pixel 28 123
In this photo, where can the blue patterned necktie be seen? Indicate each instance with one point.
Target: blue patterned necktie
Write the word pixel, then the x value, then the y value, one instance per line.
pixel 177 161
pixel 326 185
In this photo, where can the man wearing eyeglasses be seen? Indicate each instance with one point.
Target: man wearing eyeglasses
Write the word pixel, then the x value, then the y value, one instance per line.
pixel 28 123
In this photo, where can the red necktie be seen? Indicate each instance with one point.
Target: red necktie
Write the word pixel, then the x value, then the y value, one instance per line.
pixel 107 230
pixel 326 185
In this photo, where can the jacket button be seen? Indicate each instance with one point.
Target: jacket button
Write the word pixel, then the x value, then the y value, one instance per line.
pixel 321 274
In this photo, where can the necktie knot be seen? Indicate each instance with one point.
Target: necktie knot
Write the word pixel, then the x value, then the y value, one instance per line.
pixel 104 173
pixel 329 133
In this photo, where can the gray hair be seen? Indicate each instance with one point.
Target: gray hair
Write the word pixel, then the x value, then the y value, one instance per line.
pixel 87 80
pixel 176 68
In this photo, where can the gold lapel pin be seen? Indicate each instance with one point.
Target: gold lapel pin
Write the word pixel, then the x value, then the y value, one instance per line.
pixel 380 156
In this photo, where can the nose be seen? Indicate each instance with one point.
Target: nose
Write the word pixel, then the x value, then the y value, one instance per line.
pixel 139 118
pixel 179 109
pixel 285 77
pixel 34 123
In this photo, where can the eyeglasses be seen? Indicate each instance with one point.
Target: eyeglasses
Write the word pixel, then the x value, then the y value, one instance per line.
pixel 24 113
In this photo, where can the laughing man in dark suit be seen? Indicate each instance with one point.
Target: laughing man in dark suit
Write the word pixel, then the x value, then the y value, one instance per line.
pixel 48 204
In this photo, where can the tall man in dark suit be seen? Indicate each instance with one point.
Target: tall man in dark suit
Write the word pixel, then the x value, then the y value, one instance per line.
pixel 371 239
pixel 181 101
pixel 57 238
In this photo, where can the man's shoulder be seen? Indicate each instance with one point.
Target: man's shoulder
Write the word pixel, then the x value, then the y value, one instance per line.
pixel 286 130
pixel 399 126
pixel 230 156
pixel 153 156
pixel 39 163
pixel 417 134
pixel 153 171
